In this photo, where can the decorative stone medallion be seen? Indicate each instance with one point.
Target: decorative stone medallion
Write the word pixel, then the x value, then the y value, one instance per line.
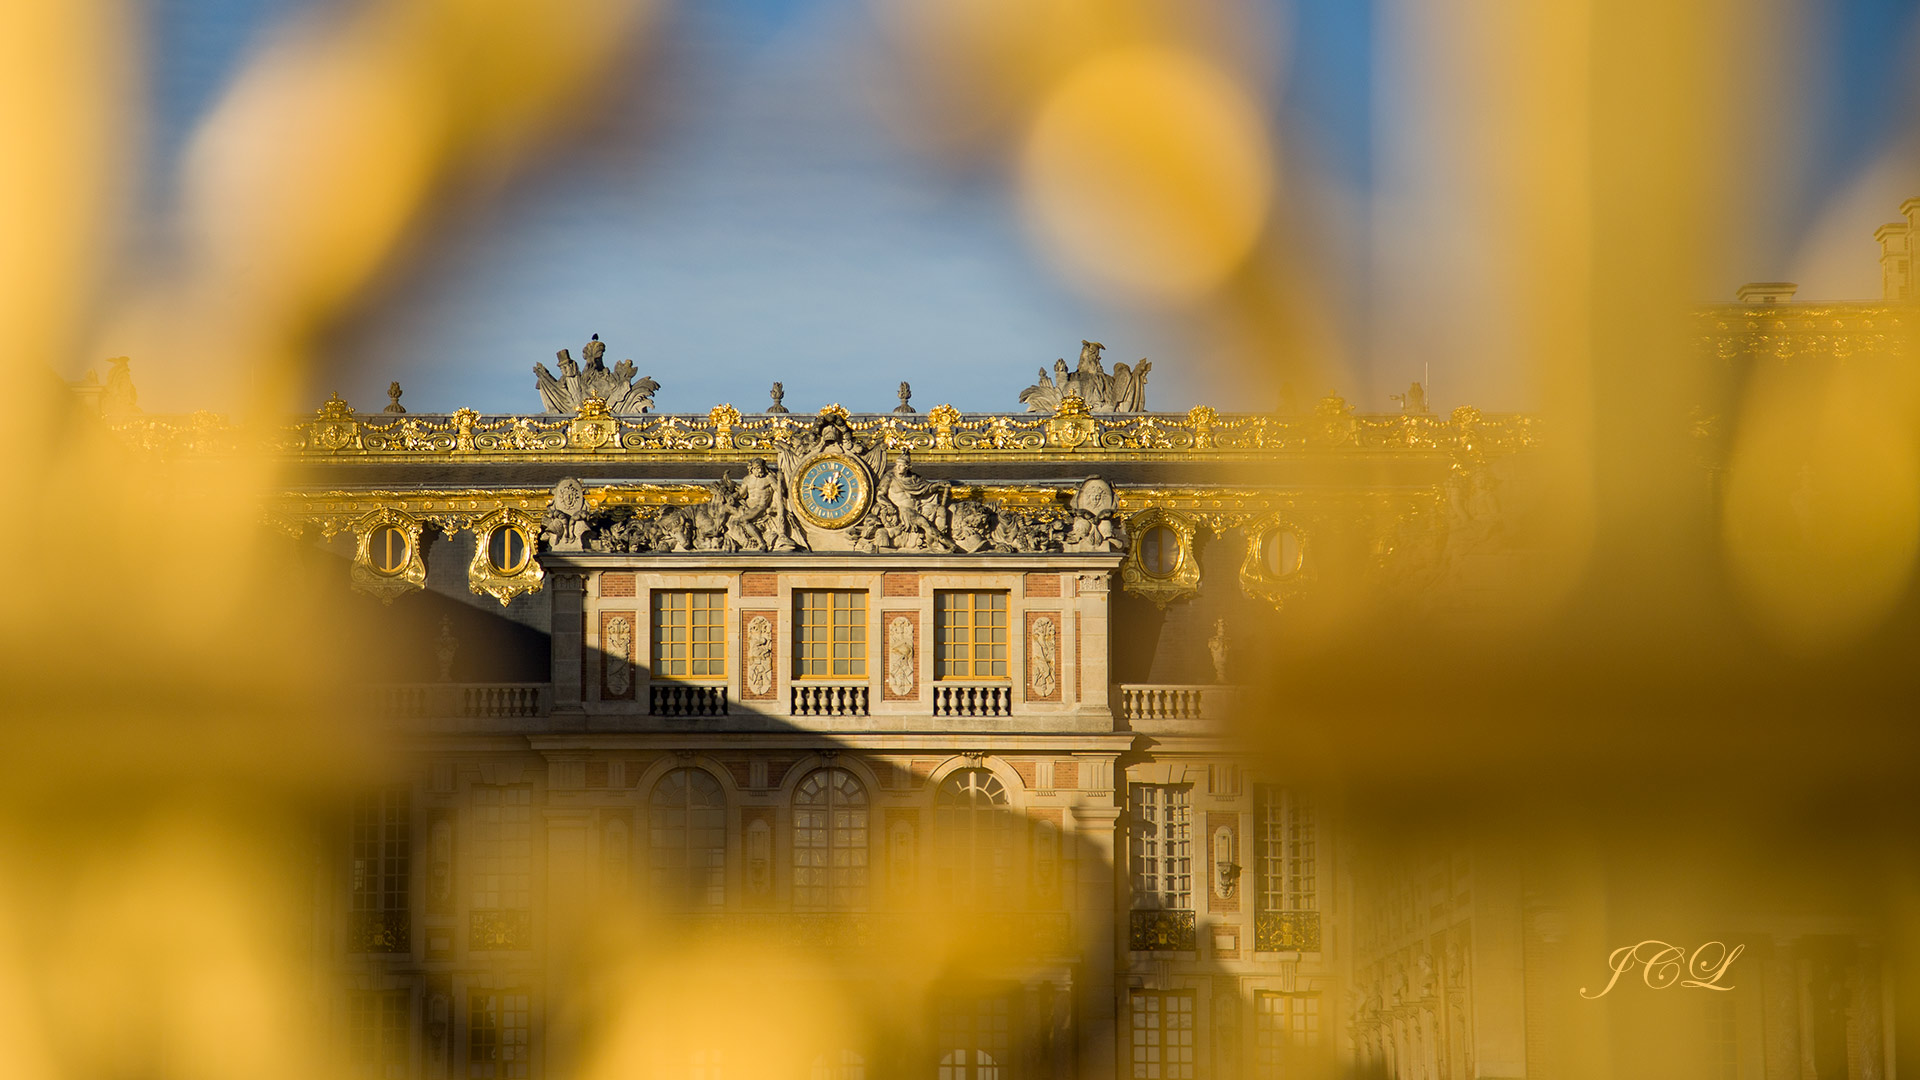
pixel 833 491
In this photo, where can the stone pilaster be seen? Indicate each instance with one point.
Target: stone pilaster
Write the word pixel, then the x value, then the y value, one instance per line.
pixel 1499 967
pixel 568 640
pixel 1092 644
pixel 1060 1033
pixel 1097 1023
pixel 566 912
pixel 1780 1022
pixel 1868 1030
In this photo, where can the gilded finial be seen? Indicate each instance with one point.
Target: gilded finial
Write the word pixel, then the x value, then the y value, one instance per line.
pixel 335 409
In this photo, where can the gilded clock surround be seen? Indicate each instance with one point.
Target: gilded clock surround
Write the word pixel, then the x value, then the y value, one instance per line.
pixel 819 482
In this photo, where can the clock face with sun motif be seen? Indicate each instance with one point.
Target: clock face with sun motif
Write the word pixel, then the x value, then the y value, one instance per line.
pixel 833 491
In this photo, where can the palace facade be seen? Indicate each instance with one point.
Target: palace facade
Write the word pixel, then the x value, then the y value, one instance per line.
pixel 856 745
pixel 832 682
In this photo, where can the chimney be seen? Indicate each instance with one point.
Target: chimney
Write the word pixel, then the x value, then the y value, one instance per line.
pixel 1765 292
pixel 1896 254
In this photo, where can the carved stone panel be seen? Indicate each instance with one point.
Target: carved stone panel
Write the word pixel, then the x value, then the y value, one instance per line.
pixel 1044 654
pixel 903 843
pixel 1223 861
pixel 758 678
pixel 616 855
pixel 756 834
pixel 903 655
pixel 1044 880
pixel 619 633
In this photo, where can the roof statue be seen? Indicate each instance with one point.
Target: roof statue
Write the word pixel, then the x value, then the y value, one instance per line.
pixel 120 399
pixel 577 382
pixel 1413 402
pixel 1123 391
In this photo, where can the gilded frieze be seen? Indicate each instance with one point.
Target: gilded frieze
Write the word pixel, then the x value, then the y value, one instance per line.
pixel 336 432
pixel 1406 531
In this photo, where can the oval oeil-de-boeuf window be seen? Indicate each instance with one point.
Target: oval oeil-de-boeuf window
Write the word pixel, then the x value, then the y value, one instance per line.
pixel 1280 552
pixel 509 550
pixel 1160 551
pixel 389 550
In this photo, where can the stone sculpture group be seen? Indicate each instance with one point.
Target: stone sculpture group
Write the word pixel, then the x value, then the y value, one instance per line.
pixel 908 511
pixel 1123 391
pixel 563 396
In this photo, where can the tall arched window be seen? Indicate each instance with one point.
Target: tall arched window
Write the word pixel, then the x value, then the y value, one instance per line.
pixel 844 1065
pixel 974 834
pixel 976 1038
pixel 830 842
pixel 687 835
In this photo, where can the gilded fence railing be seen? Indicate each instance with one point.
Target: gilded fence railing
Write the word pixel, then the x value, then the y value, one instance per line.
pixel 338 433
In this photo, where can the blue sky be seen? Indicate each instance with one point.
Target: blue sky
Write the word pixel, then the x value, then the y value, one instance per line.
pixel 767 228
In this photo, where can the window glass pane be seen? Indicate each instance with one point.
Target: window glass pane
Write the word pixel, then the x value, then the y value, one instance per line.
pixel 1162 1034
pixel 687 835
pixel 970 635
pixel 1161 845
pixel 1286 841
pixel 689 634
pixel 378 1032
pixel 502 846
pixel 973 834
pixel 830 639
pixel 1285 1026
pixel 381 850
pixel 975 1039
pixel 830 842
